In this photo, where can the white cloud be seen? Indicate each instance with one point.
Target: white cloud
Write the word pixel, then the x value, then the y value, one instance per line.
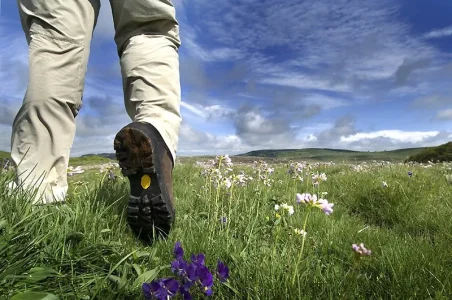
pixel 444 115
pixel 396 135
pixel 207 112
pixel 432 101
pixel 304 82
pixel 438 33
pixel 197 142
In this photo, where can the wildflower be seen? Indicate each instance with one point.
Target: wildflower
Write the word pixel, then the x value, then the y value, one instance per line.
pixel 410 174
pixel 288 208
pixel 227 183
pixel 205 278
pixel 111 175
pixel 306 198
pixel 311 200
pixel 178 251
pixel 194 274
pixel 185 293
pixel 285 207
pixel 198 260
pixel 384 184
pixel 222 271
pixel 300 232
pixel 326 207
pixel 179 266
pixel 72 171
pixel 278 216
pixel 360 250
pixel 227 160
pixel 317 177
pixel 161 289
pixel 223 220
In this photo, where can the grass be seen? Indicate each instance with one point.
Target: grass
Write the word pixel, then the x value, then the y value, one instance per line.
pixel 89 160
pixel 84 250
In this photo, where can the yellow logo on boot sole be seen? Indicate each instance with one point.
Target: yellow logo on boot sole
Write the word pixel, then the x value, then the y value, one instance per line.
pixel 145 181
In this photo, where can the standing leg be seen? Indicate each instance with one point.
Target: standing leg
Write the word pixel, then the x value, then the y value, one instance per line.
pixel 59 34
pixel 147 38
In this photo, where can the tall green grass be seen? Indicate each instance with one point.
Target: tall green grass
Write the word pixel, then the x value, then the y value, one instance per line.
pixel 84 249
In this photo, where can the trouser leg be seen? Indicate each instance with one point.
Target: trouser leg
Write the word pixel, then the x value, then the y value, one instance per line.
pixel 58 33
pixel 147 38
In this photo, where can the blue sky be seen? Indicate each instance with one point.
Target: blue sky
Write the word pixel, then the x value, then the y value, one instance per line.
pixel 261 74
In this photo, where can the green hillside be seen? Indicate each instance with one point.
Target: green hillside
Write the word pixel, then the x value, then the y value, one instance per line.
pixel 325 154
pixel 4 154
pixel 436 154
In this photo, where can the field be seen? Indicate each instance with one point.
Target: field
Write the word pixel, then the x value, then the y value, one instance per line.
pixel 274 247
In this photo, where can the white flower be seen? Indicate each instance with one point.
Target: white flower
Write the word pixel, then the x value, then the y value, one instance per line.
pixel 384 184
pixel 276 207
pixel 300 232
pixel 288 208
pixel 72 171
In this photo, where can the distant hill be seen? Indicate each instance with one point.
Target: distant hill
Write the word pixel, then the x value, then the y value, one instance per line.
pixel 104 155
pixel 313 154
pixel 4 154
pixel 326 154
pixel 435 154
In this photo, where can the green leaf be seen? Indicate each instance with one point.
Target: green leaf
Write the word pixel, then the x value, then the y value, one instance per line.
pixel 34 296
pixel 142 254
pixel 203 214
pixel 39 273
pixel 137 269
pixel 147 276
pixel 121 282
pixel 3 224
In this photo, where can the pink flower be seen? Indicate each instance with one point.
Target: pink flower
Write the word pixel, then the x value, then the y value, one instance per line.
pixel 306 198
pixel 326 207
pixel 361 250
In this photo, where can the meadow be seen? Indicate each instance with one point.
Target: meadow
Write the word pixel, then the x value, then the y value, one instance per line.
pixel 277 241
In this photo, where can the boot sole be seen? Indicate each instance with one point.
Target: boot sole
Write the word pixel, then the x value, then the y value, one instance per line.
pixel 149 214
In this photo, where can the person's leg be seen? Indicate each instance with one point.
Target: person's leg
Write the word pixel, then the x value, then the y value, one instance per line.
pixel 147 39
pixel 58 33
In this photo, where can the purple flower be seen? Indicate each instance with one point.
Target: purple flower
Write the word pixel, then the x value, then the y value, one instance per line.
pixel 223 220
pixel 161 289
pixel 198 260
pixel 146 290
pixel 410 173
pixel 190 272
pixel 178 251
pixel 185 293
pixel 222 271
pixel 178 266
pixel 206 279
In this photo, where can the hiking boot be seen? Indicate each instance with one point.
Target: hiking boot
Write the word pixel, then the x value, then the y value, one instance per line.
pixel 146 161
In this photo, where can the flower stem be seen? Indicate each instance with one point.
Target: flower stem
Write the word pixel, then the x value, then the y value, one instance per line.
pixel 302 245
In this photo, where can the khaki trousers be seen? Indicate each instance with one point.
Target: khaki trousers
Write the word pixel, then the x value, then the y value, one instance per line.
pixel 59 34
